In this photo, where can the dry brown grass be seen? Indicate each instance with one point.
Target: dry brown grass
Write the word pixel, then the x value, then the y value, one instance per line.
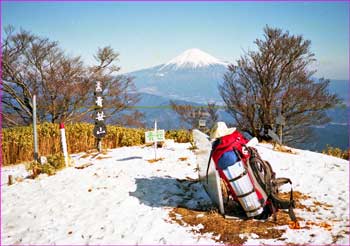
pixel 103 157
pixel 17 145
pixel 182 158
pixel 84 166
pixel 337 152
pixel 228 231
pixel 281 148
pixel 155 160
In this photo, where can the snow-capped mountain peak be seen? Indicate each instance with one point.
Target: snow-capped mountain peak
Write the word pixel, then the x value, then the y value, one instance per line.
pixel 192 58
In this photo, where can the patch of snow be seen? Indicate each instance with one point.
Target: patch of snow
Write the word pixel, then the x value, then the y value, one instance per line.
pixel 17 171
pixel 151 90
pixel 192 58
pixel 124 199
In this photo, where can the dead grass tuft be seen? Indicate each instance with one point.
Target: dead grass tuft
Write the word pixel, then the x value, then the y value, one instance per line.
pixel 235 231
pixel 103 157
pixel 224 230
pixel 155 160
pixel 84 166
pixel 281 148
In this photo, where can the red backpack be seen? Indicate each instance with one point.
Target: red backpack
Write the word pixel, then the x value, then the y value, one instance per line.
pixel 260 173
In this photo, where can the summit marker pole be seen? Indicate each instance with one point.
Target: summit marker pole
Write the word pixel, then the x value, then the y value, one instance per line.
pixel 36 152
pixel 64 143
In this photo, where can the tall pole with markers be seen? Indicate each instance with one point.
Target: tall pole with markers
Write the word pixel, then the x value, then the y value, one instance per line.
pixel 64 144
pixel 100 129
pixel 36 152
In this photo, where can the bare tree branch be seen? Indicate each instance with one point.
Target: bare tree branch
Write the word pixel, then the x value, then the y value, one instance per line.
pixel 276 79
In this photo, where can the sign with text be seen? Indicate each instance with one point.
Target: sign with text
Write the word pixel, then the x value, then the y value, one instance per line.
pixel 100 129
pixel 154 136
pixel 202 123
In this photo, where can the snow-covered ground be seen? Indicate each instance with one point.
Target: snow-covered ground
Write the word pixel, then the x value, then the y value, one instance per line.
pixel 121 198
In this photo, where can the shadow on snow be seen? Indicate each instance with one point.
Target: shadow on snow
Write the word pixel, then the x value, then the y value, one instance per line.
pixel 171 192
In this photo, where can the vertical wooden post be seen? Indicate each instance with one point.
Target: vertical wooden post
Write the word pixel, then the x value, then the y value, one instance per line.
pixel 99 145
pixel 36 152
pixel 64 143
pixel 10 180
pixel 155 141
pixel 100 129
pixel 281 126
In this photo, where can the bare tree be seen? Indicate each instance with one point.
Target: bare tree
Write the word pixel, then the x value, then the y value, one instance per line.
pixel 63 84
pixel 131 119
pixel 33 65
pixel 16 97
pixel 213 115
pixel 192 114
pixel 119 91
pixel 277 79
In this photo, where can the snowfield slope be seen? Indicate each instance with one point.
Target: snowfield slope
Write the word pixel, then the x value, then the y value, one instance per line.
pixel 122 198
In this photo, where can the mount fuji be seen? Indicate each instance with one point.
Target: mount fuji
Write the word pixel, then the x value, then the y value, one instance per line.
pixel 191 76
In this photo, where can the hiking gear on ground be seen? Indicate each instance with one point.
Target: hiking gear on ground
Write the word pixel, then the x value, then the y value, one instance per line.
pixel 260 173
pixel 240 182
pixel 227 159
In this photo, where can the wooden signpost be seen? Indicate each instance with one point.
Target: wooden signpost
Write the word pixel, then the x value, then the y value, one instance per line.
pixel 274 136
pixel 202 123
pixel 281 121
pixel 155 136
pixel 100 129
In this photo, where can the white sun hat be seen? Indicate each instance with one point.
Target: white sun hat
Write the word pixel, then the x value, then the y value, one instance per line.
pixel 220 129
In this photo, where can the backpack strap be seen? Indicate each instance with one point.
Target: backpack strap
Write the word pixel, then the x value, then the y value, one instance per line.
pixel 269 175
pixel 282 203
pixel 281 181
pixel 271 185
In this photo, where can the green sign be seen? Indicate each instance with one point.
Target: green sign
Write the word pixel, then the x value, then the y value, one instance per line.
pixel 153 136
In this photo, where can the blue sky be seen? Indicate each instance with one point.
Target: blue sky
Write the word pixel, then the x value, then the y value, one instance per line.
pixel 151 33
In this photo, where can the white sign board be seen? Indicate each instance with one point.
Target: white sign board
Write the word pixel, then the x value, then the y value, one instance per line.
pixel 213 186
pixel 154 136
pixel 202 123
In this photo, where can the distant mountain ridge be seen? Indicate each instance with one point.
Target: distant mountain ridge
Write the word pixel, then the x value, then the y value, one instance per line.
pixel 193 76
